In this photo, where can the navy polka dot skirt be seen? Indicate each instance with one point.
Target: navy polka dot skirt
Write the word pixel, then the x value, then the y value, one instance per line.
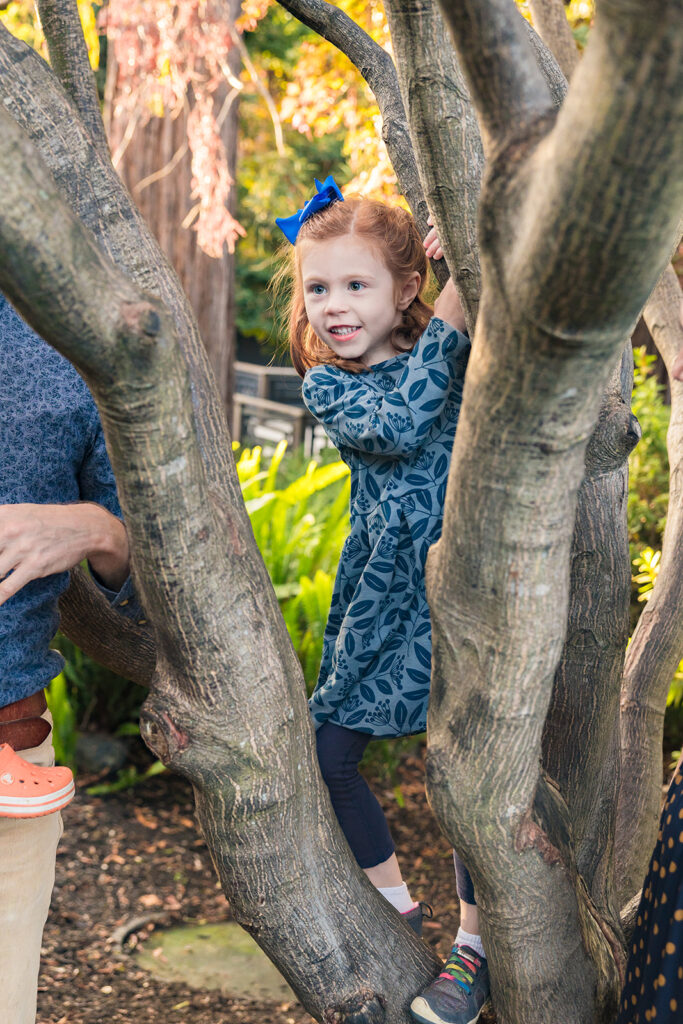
pixel 654 975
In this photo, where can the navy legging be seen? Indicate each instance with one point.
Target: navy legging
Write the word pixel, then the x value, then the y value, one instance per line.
pixel 358 811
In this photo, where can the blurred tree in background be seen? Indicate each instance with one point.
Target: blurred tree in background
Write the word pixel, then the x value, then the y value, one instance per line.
pixel 171 112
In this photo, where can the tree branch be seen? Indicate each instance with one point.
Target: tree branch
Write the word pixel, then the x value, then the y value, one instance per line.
pixel 69 60
pixel 506 84
pixel 445 138
pixel 624 41
pixel 113 635
pixel 657 644
pixel 550 69
pixel 550 21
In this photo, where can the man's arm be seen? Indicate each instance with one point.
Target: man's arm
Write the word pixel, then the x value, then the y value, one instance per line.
pixel 39 540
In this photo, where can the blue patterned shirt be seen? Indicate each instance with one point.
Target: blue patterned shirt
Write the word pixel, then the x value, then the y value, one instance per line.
pixel 52 451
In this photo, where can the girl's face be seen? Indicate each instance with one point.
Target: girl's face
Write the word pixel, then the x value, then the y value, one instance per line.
pixel 352 301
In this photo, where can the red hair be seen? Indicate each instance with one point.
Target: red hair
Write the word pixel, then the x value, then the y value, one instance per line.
pixel 392 232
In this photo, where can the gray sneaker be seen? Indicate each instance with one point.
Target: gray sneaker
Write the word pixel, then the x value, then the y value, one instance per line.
pixel 460 992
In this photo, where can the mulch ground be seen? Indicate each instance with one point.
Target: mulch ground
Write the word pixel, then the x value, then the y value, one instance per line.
pixel 131 862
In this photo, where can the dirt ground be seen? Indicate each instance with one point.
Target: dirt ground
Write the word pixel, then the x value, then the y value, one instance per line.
pixel 133 861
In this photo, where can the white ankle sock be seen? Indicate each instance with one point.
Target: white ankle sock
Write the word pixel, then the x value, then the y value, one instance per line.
pixel 464 938
pixel 398 896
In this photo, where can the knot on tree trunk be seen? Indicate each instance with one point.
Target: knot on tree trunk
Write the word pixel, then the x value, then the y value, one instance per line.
pixel 163 737
pixel 616 434
pixel 363 1007
pixel 142 320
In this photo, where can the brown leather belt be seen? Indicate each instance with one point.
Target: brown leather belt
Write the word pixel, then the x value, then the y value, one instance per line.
pixel 21 725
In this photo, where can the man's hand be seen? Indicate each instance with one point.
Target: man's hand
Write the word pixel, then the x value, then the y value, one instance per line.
pixel 39 540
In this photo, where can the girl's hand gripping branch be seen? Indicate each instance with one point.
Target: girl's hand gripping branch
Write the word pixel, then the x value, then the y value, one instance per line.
pixel 40 540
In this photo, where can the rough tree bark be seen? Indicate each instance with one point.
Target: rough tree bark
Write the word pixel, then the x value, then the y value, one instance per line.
pixel 228 703
pixel 657 644
pixel 550 21
pixel 556 306
pixel 658 640
pixel 157 158
pixel 444 133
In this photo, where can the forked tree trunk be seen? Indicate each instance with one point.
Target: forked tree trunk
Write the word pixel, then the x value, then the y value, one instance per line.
pixel 658 640
pixel 498 579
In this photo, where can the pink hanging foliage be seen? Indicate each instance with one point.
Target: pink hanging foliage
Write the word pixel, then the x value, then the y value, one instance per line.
pixel 166 52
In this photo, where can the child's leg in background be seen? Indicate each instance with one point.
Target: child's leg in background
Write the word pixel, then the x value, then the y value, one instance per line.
pixel 459 993
pixel 468 932
pixel 358 811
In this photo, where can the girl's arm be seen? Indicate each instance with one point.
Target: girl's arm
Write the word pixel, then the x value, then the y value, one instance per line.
pixel 449 308
pixel 356 415
pixel 447 305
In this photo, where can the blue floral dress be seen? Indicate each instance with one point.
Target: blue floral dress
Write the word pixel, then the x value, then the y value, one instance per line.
pixel 394 427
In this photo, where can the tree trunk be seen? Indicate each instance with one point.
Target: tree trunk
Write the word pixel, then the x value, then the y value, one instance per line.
pixel 657 643
pixel 498 579
pixel 581 749
pixel 156 168
pixel 227 707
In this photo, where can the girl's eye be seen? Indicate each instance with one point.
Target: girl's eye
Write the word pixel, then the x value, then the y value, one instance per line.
pixel 356 286
pixel 317 289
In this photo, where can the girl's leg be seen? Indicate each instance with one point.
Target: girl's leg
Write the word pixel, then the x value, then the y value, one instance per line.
pixel 468 933
pixel 358 811
pixel 459 993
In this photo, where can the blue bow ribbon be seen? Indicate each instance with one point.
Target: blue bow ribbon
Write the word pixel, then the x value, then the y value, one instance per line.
pixel 327 194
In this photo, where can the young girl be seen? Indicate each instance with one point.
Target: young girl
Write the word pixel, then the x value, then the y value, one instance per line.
pixel 385 379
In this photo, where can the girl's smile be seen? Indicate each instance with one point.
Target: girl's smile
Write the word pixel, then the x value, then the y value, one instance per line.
pixel 352 301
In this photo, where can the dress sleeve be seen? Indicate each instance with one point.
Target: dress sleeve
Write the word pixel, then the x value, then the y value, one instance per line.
pixel 96 484
pixel 356 415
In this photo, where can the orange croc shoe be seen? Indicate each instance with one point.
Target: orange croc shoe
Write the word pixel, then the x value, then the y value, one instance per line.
pixel 27 791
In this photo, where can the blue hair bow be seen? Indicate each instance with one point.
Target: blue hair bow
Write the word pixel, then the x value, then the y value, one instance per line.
pixel 327 194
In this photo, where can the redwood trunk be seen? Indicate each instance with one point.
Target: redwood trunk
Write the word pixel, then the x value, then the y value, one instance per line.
pixel 152 154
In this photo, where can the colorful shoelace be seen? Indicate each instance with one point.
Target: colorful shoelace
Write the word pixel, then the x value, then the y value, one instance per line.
pixel 461 967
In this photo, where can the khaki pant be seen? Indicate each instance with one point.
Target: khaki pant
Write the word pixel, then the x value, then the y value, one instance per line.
pixel 28 850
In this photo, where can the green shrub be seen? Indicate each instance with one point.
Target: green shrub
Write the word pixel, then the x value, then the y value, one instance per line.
pixel 649 463
pixel 299 527
pixel 647 567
